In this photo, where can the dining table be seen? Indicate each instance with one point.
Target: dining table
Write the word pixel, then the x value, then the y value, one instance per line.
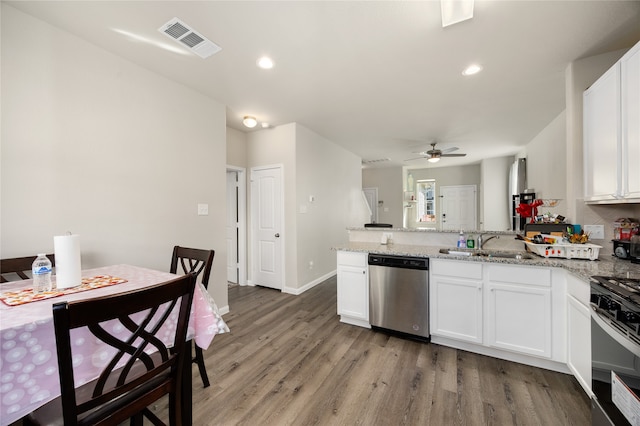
pixel 28 361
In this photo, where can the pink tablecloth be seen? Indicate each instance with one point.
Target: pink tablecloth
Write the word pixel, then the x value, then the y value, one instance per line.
pixel 28 361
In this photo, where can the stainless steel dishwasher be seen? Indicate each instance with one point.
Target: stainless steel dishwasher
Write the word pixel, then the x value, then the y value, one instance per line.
pixel 399 294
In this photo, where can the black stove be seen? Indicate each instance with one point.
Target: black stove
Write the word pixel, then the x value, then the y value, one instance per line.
pixel 617 301
pixel 615 350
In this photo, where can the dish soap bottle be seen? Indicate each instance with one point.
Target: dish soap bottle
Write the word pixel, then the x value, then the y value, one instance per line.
pixel 462 241
pixel 471 242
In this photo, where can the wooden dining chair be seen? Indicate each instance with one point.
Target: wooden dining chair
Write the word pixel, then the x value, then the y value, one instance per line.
pixel 200 262
pixel 144 366
pixel 18 266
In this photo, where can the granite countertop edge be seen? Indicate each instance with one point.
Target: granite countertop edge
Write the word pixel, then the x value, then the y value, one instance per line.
pixel 583 269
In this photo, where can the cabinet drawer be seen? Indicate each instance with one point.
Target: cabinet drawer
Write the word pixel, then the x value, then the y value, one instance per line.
pixel 460 269
pixel 578 288
pixel 520 275
pixel 352 258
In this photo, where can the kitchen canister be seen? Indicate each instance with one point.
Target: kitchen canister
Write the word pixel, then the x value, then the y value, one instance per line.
pixel 68 267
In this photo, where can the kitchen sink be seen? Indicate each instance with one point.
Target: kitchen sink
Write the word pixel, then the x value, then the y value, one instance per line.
pixel 518 255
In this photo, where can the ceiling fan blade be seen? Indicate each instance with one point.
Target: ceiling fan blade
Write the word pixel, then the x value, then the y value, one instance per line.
pixel 453 155
pixel 416 158
pixel 447 150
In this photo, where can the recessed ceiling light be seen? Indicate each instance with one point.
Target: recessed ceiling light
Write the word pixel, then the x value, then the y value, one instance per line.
pixel 249 121
pixel 265 63
pixel 472 69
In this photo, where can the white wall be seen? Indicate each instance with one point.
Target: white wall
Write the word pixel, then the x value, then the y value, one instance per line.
pixel 332 176
pixel 91 145
pixel 388 180
pixel 312 165
pixel 236 148
pixel 547 165
pixel 494 197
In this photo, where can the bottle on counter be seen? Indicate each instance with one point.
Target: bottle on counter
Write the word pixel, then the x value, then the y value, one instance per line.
pixel 462 241
pixel 471 242
pixel 41 271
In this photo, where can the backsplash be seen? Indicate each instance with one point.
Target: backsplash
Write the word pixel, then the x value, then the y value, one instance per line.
pixel 604 214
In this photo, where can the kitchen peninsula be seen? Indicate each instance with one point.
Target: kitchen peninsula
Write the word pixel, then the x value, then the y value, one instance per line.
pixel 531 310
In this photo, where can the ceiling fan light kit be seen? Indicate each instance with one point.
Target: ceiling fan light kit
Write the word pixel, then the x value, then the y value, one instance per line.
pixel 433 155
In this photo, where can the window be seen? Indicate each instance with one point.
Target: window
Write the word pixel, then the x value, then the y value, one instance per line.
pixel 426 199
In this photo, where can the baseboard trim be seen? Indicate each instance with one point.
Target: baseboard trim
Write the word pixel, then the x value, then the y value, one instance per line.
pixel 309 285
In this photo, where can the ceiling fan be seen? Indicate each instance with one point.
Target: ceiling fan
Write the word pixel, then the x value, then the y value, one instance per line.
pixel 433 155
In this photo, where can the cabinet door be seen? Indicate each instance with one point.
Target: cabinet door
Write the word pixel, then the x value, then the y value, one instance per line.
pixel 519 318
pixel 456 308
pixel 630 96
pixel 602 138
pixel 579 342
pixel 353 292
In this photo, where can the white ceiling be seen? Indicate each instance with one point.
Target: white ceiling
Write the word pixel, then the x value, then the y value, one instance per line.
pixel 382 79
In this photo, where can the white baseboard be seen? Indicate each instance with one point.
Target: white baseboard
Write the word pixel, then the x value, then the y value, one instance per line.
pixel 300 290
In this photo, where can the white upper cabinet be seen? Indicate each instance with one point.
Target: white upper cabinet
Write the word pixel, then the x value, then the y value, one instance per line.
pixel 612 133
pixel 630 98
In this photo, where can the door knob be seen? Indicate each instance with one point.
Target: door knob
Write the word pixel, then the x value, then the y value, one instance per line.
pixel 277 235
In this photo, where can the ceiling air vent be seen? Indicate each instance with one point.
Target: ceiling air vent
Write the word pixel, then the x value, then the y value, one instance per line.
pixel 196 42
pixel 374 161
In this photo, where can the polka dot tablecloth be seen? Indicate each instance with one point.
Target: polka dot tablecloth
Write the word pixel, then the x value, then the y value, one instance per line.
pixel 28 361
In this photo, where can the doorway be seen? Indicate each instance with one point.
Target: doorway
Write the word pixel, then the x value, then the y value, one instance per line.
pixel 267 230
pixel 236 225
pixel 459 207
pixel 371 195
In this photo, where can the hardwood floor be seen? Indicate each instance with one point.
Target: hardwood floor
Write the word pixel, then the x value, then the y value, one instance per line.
pixel 289 361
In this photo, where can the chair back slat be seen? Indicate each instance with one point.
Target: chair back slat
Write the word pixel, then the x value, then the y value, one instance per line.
pixel 135 376
pixel 18 266
pixel 194 260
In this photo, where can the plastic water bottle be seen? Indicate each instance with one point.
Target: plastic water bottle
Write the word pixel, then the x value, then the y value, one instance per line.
pixel 41 271
pixel 462 241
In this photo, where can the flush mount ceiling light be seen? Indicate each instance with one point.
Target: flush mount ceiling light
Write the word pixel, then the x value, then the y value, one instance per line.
pixel 472 69
pixel 249 121
pixel 454 11
pixel 265 63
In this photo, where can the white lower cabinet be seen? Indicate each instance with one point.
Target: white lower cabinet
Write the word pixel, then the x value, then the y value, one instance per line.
pixel 519 318
pixel 499 309
pixel 519 309
pixel 579 331
pixel 456 300
pixel 353 288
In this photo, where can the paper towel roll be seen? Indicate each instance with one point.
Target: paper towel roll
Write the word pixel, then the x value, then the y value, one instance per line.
pixel 68 268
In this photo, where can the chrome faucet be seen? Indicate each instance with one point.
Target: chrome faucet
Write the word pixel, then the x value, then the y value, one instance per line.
pixel 482 241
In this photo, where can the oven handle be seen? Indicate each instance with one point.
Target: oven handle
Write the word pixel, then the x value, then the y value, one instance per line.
pixel 614 333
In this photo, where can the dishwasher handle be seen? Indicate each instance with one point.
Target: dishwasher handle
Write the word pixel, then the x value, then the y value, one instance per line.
pixel 406 262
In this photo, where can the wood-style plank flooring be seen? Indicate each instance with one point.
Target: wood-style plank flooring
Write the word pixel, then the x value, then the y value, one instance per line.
pixel 289 361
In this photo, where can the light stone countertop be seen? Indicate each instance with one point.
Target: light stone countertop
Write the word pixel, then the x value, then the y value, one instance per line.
pixel 584 269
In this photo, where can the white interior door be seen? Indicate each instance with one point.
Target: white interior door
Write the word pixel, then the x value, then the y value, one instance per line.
pixel 266 220
pixel 459 207
pixel 371 194
pixel 232 227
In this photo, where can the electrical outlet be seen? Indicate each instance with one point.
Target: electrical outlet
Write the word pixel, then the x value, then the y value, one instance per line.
pixel 595 232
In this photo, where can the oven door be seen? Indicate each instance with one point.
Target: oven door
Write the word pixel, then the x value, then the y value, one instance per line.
pixel 615 374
